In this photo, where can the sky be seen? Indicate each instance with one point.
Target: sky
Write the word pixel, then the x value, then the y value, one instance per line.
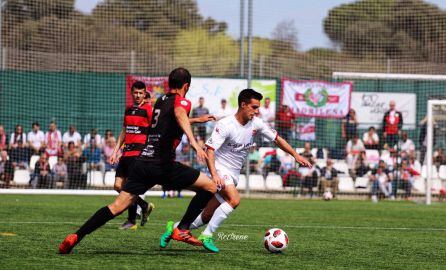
pixel 307 16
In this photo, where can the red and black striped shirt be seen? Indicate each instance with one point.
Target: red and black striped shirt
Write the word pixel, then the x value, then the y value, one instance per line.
pixel 137 121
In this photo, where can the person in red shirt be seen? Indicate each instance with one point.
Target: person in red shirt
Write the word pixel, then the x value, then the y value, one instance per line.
pixel 285 122
pixel 392 124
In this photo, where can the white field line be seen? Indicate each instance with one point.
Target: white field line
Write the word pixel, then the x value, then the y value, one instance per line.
pixel 329 227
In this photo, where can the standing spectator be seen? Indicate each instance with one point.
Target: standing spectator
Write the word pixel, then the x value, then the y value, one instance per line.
pixel 285 122
pixel 392 125
pixel 20 156
pixel 197 112
pixel 16 137
pixel 353 149
pixel 92 156
pixel 60 172
pixel 92 137
pixel 74 162
pixel 36 139
pixel 43 173
pixel 3 139
pixel 223 111
pixel 329 178
pixel 406 144
pixel 349 125
pixel 267 112
pixel 109 145
pixel 6 169
pixel 53 140
pixel 72 136
pixel 381 178
pixel 371 139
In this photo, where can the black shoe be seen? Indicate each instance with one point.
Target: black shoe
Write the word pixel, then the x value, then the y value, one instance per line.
pixel 145 213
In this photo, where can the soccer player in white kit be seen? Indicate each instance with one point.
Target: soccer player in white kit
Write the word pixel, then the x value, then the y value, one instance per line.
pixel 227 149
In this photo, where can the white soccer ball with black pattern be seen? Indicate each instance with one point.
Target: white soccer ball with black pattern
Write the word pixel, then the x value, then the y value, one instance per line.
pixel 275 240
pixel 327 195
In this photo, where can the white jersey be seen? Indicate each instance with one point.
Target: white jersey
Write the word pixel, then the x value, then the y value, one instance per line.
pixel 231 141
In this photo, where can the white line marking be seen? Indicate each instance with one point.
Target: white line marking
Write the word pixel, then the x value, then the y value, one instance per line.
pixel 250 225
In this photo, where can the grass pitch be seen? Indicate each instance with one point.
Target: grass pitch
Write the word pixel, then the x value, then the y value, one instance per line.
pixel 323 235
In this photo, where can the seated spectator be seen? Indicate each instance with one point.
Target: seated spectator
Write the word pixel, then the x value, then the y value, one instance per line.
pixel 406 144
pixel 414 163
pixel 108 134
pixel 184 155
pixel 92 156
pixel 20 156
pixel 60 172
pixel 254 159
pixel 109 145
pixel 439 158
pixel 53 141
pixel 309 176
pixel 287 163
pixel 74 161
pixel 392 160
pixel 6 168
pixel 405 179
pixel 43 173
pixel 3 139
pixel 381 178
pixel 72 136
pixel 329 178
pixel 36 139
pixel 371 139
pixel 271 163
pixel 353 149
pixel 360 167
pixel 94 137
pixel 16 137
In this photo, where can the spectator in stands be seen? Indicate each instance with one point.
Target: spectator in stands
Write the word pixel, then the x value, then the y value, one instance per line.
pixel 108 134
pixel 3 139
pixel 184 155
pixel 72 136
pixel 60 172
pixel 392 160
pixel 92 137
pixel 109 145
pixel 6 169
pixel 20 156
pixel 414 163
pixel 439 158
pixel 74 161
pixel 223 111
pixel 285 122
pixel 329 178
pixel 36 139
pixel 43 172
pixel 353 149
pixel 381 178
pixel 92 156
pixel 392 125
pixel 349 125
pixel 267 112
pixel 371 139
pixel 287 163
pixel 360 168
pixel 406 144
pixel 271 163
pixel 53 140
pixel 16 137
pixel 405 179
pixel 309 176
pixel 254 159
pixel 197 112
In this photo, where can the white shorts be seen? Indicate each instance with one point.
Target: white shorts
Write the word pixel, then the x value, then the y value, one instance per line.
pixel 229 176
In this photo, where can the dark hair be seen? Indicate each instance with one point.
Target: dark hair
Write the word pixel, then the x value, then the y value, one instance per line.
pixel 179 77
pixel 35 124
pixel 138 85
pixel 372 127
pixel 246 95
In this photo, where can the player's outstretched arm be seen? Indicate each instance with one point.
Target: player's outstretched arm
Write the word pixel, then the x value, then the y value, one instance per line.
pixel 210 161
pixel 114 156
pixel 183 122
pixel 202 119
pixel 285 146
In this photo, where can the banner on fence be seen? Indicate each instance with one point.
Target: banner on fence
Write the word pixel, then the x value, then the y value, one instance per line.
pixel 307 130
pixel 317 98
pixel 371 106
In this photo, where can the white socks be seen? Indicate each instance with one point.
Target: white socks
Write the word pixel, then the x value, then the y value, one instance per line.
pixel 220 214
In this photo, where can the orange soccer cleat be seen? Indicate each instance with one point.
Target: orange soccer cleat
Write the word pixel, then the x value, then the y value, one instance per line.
pixel 68 244
pixel 186 237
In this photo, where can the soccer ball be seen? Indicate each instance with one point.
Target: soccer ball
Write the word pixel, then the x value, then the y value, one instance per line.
pixel 275 240
pixel 327 196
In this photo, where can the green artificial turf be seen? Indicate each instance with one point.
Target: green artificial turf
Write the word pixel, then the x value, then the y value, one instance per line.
pixel 323 235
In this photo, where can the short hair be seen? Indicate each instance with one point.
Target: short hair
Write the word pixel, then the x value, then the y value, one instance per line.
pixel 138 85
pixel 247 94
pixel 179 77
pixel 35 124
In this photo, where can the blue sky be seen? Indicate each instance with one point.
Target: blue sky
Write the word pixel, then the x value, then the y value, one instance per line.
pixel 307 16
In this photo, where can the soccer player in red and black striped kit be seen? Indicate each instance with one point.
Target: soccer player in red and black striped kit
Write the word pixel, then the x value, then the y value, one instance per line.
pixel 156 165
pixel 133 136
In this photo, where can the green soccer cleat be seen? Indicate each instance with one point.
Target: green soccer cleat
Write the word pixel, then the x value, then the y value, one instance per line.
pixel 208 243
pixel 167 235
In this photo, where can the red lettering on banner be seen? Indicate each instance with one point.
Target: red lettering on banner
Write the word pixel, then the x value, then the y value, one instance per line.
pixel 333 99
pixel 299 97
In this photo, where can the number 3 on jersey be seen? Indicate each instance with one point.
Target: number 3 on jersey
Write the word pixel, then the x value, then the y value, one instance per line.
pixel 156 115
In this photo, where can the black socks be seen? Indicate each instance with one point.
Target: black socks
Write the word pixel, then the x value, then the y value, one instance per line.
pixel 196 205
pixel 101 217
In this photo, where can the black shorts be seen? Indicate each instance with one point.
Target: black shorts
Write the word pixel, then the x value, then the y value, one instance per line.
pixel 172 176
pixel 124 166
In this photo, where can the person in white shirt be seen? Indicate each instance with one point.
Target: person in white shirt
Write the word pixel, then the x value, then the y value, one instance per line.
pixel 53 140
pixel 371 139
pixel 354 148
pixel 223 111
pixel 267 112
pixel 227 149
pixel 17 136
pixel 406 144
pixel 72 136
pixel 36 139
pixel 92 136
